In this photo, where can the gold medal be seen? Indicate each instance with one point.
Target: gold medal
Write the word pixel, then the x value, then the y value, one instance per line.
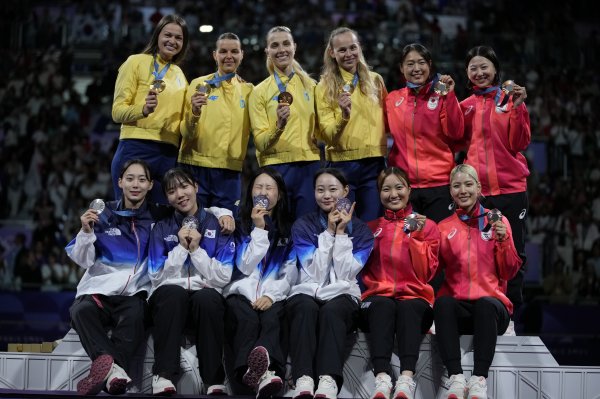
pixel 203 88
pixel 285 98
pixel 158 86
pixel 441 88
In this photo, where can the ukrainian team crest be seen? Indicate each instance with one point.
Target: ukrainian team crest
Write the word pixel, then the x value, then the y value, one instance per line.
pixel 433 102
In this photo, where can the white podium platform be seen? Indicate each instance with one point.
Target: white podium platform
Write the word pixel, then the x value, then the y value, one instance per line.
pixel 523 368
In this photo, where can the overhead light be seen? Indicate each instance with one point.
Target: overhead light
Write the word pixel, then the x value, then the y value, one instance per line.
pixel 206 28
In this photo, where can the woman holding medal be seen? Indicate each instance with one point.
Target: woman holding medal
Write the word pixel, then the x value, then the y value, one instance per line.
pixel 190 262
pixel 216 127
pixel 497 129
pixel 112 247
pixel 265 270
pixel 349 101
pixel 478 255
pixel 282 115
pixel 148 102
pixel 397 299
pixel 332 246
pixel 425 120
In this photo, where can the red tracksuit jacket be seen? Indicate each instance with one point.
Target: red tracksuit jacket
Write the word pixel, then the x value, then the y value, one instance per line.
pixel 476 264
pixel 495 136
pixel 424 127
pixel 401 265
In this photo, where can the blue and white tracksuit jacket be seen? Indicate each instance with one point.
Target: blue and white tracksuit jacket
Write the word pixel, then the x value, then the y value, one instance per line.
pixel 209 266
pixel 329 264
pixel 265 264
pixel 115 253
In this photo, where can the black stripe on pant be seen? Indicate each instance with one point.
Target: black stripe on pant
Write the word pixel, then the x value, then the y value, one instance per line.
pixel 485 318
pixel 124 315
pixel 406 320
pixel 172 308
pixel 320 332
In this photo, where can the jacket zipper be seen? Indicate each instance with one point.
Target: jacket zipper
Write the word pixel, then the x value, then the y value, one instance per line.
pixel 137 263
pixel 415 140
pixel 391 252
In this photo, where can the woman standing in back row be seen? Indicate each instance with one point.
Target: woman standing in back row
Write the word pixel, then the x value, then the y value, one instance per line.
pixel 497 129
pixel 282 115
pixel 350 112
pixel 425 122
pixel 148 103
pixel 216 127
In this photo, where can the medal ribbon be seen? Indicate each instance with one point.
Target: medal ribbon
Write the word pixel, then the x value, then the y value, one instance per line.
pixel 489 90
pixel 433 81
pixel 355 80
pixel 280 84
pixel 216 80
pixel 158 75
pixel 465 218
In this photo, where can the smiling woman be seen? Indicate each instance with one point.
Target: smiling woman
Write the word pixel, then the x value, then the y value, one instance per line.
pixel 148 100
pixel 282 114
pixel 216 126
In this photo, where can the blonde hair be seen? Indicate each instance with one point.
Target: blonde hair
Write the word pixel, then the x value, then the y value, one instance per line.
pixel 466 169
pixel 298 70
pixel 332 78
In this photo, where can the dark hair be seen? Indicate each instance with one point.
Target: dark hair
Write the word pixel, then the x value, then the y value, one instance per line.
pixel 281 211
pixel 136 161
pixel 227 36
pixel 175 177
pixel 152 46
pixel 338 174
pixel 485 52
pixel 392 170
pixel 423 52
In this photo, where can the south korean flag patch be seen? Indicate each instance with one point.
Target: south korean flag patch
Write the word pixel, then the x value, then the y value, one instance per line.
pixel 209 233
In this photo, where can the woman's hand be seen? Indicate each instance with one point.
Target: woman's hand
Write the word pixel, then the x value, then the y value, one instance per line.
pixel 263 303
pixel 448 81
pixel 345 104
pixel 151 103
pixel 227 224
pixel 345 218
pixel 420 221
pixel 88 219
pixel 332 221
pixel 500 229
pixel 258 216
pixel 519 95
pixel 198 100
pixel 195 238
pixel 283 113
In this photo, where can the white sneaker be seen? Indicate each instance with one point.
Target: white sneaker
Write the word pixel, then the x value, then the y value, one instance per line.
pixel 405 387
pixel 305 388
pixel 510 330
pixel 162 386
pixel 383 386
pixel 432 328
pixel 217 390
pixel 477 387
pixel 269 385
pixel 327 388
pixel 457 387
pixel 117 380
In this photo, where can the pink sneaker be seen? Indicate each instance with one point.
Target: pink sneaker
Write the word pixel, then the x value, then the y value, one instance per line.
pixel 93 383
pixel 258 364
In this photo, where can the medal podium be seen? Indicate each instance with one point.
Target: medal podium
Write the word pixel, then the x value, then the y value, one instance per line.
pixel 523 368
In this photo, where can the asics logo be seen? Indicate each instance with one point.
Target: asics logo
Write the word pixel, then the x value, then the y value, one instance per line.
pixel 399 102
pixel 468 110
pixel 452 233
pixel 377 232
pixel 522 214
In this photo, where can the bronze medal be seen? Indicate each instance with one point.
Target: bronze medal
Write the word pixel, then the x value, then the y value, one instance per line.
pixel 285 98
pixel 441 88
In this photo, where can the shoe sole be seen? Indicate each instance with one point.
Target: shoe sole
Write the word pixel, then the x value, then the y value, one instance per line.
pixel 323 396
pixel 217 392
pixel 304 395
pixel 94 382
pixel 258 364
pixel 270 389
pixel 379 395
pixel 117 386
pixel 401 395
pixel 166 392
